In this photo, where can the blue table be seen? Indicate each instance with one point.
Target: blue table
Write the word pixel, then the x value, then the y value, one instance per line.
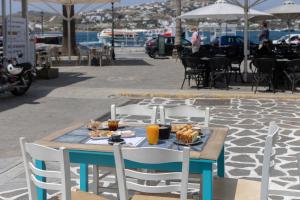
pixel 101 155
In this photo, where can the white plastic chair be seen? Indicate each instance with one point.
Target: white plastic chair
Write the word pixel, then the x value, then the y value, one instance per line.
pixel 134 109
pixel 184 111
pixel 241 189
pixel 154 156
pixel 61 182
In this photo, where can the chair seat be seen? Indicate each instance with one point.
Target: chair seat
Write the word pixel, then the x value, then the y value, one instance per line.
pixel 83 196
pixel 236 189
pixel 156 197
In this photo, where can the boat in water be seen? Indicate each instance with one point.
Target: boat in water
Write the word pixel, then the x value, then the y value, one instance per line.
pixel 129 37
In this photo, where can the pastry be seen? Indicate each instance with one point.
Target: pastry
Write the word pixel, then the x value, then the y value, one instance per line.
pixel 94 125
pixel 187 135
pixel 100 133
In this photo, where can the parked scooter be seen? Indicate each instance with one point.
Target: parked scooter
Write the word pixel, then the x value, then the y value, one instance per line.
pixel 16 77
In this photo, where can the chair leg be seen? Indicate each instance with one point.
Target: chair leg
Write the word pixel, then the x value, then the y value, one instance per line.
pixel 293 85
pixel 257 83
pixel 235 76
pixel 230 75
pixel 241 76
pixel 95 179
pixel 183 82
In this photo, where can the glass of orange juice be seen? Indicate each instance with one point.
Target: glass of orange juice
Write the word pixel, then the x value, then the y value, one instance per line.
pixel 152 134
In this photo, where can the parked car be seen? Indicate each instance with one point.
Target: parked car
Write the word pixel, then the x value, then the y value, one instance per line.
pixel 227 40
pixel 152 49
pixel 288 39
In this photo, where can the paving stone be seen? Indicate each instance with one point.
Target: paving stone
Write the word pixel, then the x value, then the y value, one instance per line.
pixel 295 187
pixel 223 122
pixel 248 121
pixel 289 165
pixel 280 151
pixel 239 165
pixel 212 102
pixel 246 133
pixel 293 172
pixel 297 133
pixel 289 179
pixel 285 138
pixel 244 141
pixel 247 126
pixel 239 172
pixel 250 116
pixel 243 158
pixel 281 183
pixel 285 132
pixel 295 143
pixel 273 172
pixel 260 144
pixel 273 197
pixel 243 149
pixel 295 149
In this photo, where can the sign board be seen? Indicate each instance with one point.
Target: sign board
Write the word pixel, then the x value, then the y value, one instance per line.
pixel 15 38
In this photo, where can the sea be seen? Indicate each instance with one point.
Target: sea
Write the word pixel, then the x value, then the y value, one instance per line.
pixel 91 37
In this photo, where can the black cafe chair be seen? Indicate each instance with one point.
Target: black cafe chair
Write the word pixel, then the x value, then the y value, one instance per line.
pixel 236 57
pixel 193 70
pixel 263 71
pixel 292 72
pixel 219 67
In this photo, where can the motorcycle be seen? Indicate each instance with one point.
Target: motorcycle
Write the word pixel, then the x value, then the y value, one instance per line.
pixel 16 77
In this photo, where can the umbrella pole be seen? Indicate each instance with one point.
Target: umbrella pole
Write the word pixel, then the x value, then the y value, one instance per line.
pixel 68 8
pixel 246 41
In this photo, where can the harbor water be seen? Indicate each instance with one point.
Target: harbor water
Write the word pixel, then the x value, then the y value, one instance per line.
pixel 91 37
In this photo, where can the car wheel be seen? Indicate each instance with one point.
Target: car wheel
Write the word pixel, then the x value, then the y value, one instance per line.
pixel 155 54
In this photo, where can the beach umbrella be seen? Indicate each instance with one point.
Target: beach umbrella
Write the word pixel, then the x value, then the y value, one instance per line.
pixel 287 11
pixel 68 4
pixel 221 11
pixel 225 10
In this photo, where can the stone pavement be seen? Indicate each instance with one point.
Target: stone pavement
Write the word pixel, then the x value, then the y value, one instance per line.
pixel 82 93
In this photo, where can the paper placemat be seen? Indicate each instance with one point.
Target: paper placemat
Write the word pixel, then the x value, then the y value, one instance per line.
pixel 134 141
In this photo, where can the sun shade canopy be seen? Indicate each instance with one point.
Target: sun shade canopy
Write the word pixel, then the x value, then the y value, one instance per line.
pixel 221 10
pixel 288 10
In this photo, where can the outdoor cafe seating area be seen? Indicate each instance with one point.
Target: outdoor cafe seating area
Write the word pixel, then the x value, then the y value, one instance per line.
pixel 274 66
pixel 85 55
pixel 151 154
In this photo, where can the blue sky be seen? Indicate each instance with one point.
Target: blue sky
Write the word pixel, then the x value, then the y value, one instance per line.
pixel 16 5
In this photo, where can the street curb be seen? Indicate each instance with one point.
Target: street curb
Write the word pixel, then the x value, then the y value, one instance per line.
pixel 220 95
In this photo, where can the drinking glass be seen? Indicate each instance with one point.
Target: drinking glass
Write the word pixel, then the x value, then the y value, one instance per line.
pixel 152 134
pixel 113 125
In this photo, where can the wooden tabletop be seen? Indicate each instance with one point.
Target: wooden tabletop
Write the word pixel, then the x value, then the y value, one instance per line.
pixel 211 150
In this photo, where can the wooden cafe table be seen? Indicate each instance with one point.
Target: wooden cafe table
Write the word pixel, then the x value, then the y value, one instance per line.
pixel 201 162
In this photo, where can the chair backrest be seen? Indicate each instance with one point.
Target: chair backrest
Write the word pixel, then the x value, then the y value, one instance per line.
pixel 154 156
pixel 293 66
pixel 134 109
pixel 264 65
pixel 184 111
pixel 268 160
pixel 60 179
pixel 219 63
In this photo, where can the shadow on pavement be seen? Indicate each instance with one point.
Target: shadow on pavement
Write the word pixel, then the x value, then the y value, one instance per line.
pixel 131 62
pixel 39 89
